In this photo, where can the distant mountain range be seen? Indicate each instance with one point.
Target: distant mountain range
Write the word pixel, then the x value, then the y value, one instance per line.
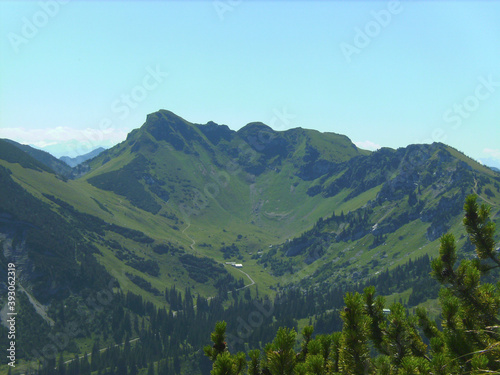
pixel 175 201
pixel 73 162
pixel 491 163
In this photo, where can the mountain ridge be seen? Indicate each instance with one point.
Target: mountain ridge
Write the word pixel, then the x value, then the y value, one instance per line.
pixel 44 157
pixel 272 185
pixel 170 209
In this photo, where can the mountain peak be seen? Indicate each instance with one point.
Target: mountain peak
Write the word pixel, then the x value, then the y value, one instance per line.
pixel 164 118
pixel 166 126
pixel 254 128
pixel 215 132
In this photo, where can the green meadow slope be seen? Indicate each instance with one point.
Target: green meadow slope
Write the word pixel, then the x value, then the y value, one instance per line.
pixel 291 206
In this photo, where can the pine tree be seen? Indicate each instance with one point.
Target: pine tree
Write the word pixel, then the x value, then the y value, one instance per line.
pixel 151 368
pixel 307 332
pixel 280 354
pixel 95 357
pixel 177 365
pixel 61 367
pixel 223 362
pixel 470 308
pixel 354 356
pixel 254 365
pixel 84 365
pixel 219 339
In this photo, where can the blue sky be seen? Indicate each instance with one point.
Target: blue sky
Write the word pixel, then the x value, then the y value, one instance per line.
pixel 76 75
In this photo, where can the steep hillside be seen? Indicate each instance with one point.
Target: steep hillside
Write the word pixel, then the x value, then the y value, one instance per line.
pixel 218 177
pixel 416 196
pixel 52 227
pixel 278 202
pixel 45 158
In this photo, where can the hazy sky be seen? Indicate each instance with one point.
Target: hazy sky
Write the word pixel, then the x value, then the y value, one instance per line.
pixel 383 73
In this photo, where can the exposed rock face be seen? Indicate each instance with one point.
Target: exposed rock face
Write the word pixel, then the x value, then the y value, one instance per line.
pixel 215 132
pixel 313 166
pixel 166 126
pixel 13 236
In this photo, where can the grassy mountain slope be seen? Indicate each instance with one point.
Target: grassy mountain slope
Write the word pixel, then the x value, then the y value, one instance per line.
pixel 45 158
pixel 416 200
pixel 121 237
pixel 255 196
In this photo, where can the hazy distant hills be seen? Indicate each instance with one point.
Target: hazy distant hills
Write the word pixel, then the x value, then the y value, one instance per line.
pixel 176 199
pixel 73 162
pixel 491 163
